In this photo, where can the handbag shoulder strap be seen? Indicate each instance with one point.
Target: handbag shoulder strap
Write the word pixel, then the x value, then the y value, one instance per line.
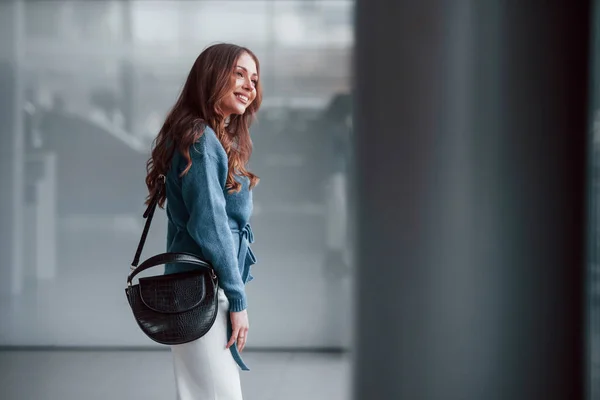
pixel 148 214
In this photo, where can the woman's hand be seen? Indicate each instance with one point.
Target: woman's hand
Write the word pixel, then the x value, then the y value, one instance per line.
pixel 240 326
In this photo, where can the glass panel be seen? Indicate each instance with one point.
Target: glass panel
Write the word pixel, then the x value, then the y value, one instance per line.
pixel 99 78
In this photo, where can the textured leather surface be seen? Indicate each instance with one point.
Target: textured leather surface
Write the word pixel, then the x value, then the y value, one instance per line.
pixel 167 258
pixel 172 293
pixel 175 308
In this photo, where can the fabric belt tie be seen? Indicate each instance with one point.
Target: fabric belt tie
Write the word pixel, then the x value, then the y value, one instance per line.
pixel 246 237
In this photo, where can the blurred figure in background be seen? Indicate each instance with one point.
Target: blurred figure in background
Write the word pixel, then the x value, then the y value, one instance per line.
pixel 337 125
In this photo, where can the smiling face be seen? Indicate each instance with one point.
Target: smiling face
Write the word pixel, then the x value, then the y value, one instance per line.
pixel 243 92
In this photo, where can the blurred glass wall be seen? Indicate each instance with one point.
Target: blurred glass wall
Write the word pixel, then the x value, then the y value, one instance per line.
pixel 94 81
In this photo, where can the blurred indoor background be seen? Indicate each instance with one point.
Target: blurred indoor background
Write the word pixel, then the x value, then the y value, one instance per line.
pixel 95 80
pixel 474 153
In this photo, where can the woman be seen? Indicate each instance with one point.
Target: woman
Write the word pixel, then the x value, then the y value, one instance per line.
pixel 202 149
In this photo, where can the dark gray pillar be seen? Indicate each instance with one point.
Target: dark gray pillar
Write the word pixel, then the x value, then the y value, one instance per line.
pixel 11 147
pixel 593 273
pixel 470 142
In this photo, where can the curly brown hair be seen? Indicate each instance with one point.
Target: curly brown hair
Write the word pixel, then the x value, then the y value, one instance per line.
pixel 208 83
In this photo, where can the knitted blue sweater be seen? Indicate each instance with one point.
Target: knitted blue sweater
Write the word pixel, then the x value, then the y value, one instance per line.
pixel 204 219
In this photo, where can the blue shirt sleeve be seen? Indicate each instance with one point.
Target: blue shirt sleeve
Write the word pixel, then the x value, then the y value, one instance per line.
pixel 203 190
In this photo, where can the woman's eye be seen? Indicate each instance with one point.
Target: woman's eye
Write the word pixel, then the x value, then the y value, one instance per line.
pixel 254 82
pixel 240 74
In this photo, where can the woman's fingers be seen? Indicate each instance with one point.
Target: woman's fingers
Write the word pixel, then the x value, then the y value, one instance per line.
pixel 240 326
pixel 242 337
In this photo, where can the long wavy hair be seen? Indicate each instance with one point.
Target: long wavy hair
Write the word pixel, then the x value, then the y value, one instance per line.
pixel 210 80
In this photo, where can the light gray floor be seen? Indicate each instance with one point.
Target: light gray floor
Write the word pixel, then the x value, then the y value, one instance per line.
pixel 147 375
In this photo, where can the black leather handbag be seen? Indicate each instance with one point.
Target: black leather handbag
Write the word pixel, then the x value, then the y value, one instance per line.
pixel 174 308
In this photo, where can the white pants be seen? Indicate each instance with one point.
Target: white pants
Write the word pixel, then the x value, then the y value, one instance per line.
pixel 205 369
